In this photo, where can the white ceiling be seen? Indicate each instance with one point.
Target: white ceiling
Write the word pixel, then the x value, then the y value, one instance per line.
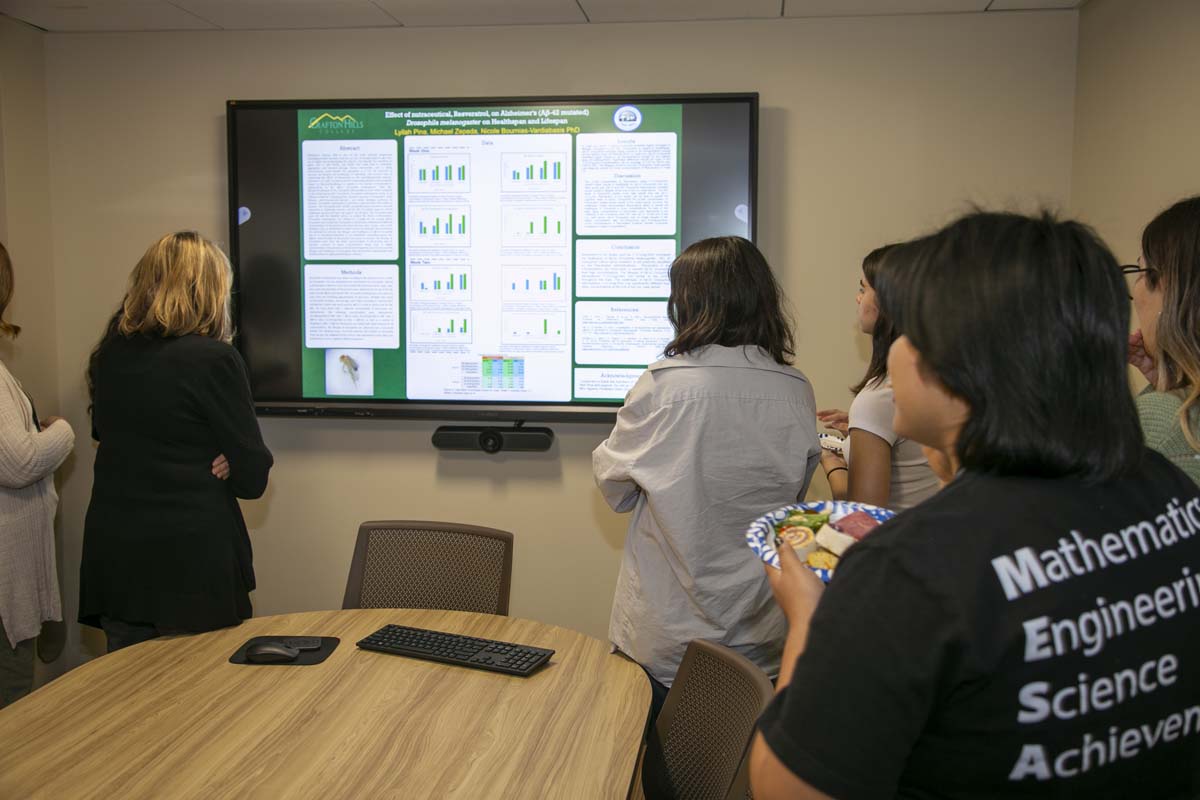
pixel 162 15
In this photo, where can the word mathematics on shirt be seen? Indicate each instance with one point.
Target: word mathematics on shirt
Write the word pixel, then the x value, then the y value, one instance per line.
pixel 1026 571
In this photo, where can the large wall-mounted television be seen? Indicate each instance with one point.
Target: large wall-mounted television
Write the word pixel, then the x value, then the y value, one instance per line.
pixel 488 259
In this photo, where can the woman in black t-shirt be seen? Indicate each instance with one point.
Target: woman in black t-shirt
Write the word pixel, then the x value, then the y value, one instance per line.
pixel 1034 629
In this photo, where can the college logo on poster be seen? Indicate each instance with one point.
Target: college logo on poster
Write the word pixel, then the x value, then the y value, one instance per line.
pixel 627 118
pixel 332 122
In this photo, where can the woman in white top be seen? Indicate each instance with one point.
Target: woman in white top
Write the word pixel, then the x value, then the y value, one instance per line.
pixel 719 432
pixel 29 453
pixel 878 467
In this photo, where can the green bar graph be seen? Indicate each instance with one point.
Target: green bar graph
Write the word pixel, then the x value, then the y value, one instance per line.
pixel 541 224
pixel 442 172
pixel 443 225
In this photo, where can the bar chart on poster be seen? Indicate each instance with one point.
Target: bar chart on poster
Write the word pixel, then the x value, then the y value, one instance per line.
pixel 494 252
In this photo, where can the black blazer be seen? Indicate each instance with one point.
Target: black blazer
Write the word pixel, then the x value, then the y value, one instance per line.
pixel 164 542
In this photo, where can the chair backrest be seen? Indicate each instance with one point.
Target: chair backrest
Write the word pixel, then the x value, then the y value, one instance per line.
pixel 443 565
pixel 698 748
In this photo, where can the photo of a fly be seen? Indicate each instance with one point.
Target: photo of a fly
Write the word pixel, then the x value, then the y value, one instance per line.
pixel 350 367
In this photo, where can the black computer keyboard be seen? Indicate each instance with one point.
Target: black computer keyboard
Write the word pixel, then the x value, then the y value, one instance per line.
pixel 452 648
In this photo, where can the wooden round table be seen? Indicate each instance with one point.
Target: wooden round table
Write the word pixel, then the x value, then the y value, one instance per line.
pixel 173 718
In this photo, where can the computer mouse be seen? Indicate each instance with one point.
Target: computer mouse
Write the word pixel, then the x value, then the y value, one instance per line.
pixel 270 653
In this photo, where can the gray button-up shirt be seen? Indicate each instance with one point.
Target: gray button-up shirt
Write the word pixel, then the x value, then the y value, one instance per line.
pixel 705 443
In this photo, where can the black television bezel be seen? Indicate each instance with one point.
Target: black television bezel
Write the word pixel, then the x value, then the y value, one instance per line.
pixel 456 410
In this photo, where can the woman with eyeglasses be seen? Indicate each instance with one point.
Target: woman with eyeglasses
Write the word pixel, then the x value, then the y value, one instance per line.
pixel 1165 287
pixel 1033 630
pixel 877 465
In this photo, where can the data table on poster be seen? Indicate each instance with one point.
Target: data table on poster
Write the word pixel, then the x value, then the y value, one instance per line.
pixel 500 372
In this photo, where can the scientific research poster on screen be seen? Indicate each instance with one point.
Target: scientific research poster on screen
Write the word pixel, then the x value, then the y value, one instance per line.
pixel 512 254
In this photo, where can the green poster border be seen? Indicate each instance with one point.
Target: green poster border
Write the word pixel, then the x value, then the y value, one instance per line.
pixel 392 363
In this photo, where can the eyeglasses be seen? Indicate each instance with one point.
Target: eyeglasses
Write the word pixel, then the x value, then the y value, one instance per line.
pixel 1133 273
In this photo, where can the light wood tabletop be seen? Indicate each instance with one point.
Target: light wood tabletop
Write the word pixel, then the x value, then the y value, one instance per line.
pixel 173 718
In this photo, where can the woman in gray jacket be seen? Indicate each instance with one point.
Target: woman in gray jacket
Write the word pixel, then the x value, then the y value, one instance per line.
pixel 30 451
pixel 717 433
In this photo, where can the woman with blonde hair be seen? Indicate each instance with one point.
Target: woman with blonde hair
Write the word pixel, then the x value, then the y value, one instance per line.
pixel 1165 287
pixel 165 547
pixel 30 452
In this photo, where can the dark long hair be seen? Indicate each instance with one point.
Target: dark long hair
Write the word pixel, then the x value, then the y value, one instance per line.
pixel 1171 249
pixel 723 292
pixel 7 280
pixel 884 332
pixel 1026 319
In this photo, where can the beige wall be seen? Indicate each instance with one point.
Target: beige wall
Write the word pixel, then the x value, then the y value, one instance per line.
pixel 25 226
pixel 25 211
pixel 1137 124
pixel 872 130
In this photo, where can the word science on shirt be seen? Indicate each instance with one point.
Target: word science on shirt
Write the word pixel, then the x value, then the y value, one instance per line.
pixel 1130 628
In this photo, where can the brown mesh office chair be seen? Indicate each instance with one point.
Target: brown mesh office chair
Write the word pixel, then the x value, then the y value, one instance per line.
pixel 443 565
pixel 700 742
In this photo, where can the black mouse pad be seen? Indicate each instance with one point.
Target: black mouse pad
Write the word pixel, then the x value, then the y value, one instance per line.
pixel 306 657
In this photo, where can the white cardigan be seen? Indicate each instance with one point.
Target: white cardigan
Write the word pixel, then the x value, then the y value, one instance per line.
pixel 28 579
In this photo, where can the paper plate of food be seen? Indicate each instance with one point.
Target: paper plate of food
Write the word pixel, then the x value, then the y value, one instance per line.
pixel 819 532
